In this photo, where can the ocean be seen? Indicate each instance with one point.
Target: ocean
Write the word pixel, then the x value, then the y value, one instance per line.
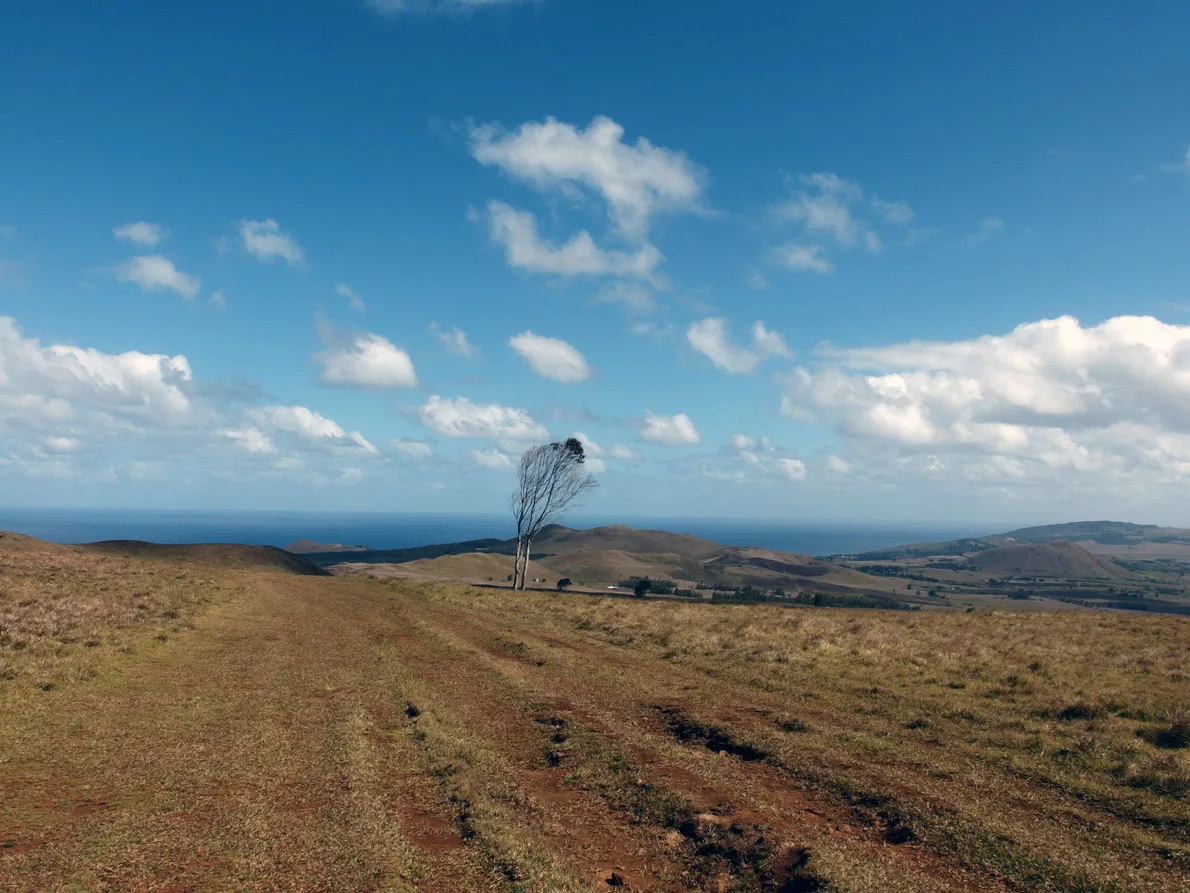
pixel 397 531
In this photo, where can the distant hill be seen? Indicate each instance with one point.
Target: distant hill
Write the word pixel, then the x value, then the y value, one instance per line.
pixel 1052 559
pixel 303 547
pixel 1108 533
pixel 607 555
pixel 1111 538
pixel 221 554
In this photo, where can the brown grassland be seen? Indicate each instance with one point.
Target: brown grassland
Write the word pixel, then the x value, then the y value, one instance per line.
pixel 178 726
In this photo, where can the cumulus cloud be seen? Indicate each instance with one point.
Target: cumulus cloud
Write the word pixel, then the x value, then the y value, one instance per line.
pixel 892 212
pixel 62 444
pixel 253 440
pixel 455 341
pixel 264 239
pixel 669 430
pixel 634 296
pixel 1050 395
pixel 414 449
pixel 636 180
pixel 712 338
pixel 153 272
pixel 988 227
pixel 354 301
pixel 492 458
pixel 621 451
pixel 525 249
pixel 311 427
pixel 803 258
pixel 1183 166
pixel 140 233
pixel 367 361
pixel 590 447
pixel 830 209
pixel 762 456
pixel 838 465
pixel 50 388
pixel 462 418
pixel 793 469
pixel 81 405
pixel 551 358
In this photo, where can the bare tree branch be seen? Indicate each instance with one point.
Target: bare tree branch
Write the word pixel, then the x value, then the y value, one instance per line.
pixel 550 480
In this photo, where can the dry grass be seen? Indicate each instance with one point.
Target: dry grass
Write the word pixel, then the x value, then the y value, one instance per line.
pixel 356 735
pixel 63 609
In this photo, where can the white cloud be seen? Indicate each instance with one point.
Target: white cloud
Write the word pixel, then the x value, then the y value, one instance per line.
pixel 1183 165
pixel 620 451
pixel 652 330
pixel 595 465
pixel 712 338
pixel 310 426
pixel 590 447
pixel 632 295
pixel 892 212
pixel 264 240
pixel 757 280
pixel 838 465
pixel 551 358
pixel 65 401
pixel 353 299
pixel 988 227
pixel 414 449
pixel 743 442
pixel 153 272
pixel 517 232
pixel 793 469
pixel 218 300
pixel 462 418
pixel 669 430
pixel 368 361
pixel 251 439
pixel 492 458
pixel 826 207
pixel 1050 396
pixel 455 341
pixel 58 386
pixel 635 180
pixel 803 258
pixel 829 208
pixel 62 444
pixel 141 233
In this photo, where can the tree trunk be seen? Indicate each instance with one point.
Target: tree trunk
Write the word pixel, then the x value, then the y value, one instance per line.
pixel 525 568
pixel 516 565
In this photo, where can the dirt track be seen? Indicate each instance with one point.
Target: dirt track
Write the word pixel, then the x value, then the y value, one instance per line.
pixel 347 735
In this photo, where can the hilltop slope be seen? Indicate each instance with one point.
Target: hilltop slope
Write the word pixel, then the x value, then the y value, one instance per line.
pixel 607 555
pixel 1056 559
pixel 232 555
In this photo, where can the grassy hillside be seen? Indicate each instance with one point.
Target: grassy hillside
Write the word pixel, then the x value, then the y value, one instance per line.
pixel 214 554
pixel 607 555
pixel 1055 559
pixel 316 733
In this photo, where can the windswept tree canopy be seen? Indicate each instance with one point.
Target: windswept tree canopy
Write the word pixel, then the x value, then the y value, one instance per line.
pixel 550 479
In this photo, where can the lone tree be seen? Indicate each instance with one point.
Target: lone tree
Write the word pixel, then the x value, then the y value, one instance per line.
pixel 550 479
pixel 642 587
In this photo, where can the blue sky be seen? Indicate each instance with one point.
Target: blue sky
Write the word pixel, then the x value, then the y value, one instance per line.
pixel 805 260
